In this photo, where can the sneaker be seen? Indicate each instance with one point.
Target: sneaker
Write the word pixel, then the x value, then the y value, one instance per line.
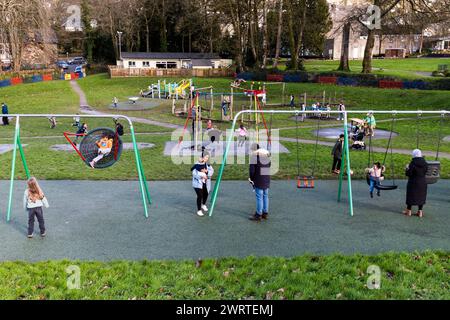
pixel 407 212
pixel 379 194
pixel 200 213
pixel 205 208
pixel 92 164
pixel 371 194
pixel 30 236
pixel 256 217
pixel 419 214
pixel 265 216
pixel 43 234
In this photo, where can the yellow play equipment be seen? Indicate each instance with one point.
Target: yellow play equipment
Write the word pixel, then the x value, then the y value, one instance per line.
pixel 183 85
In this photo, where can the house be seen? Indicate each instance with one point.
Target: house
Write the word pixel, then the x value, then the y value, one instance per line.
pixel 339 10
pixel 5 57
pixel 442 44
pixel 172 60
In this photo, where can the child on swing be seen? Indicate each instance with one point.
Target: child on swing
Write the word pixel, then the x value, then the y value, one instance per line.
pixel 375 175
pixel 104 148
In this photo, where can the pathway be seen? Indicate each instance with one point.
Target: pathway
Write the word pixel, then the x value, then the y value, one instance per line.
pixel 85 108
pixel 429 154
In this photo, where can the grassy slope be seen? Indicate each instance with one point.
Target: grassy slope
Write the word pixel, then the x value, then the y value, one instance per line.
pixel 48 164
pixel 403 276
pixel 402 68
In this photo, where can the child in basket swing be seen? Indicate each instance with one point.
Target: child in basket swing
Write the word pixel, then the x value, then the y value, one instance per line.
pixel 104 148
pixel 33 201
pixel 375 175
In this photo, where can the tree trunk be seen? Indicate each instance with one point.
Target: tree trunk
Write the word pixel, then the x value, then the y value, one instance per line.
pixel 253 31
pixel 265 36
pixel 147 35
pixel 344 64
pixel 280 29
pixel 163 31
pixel 368 52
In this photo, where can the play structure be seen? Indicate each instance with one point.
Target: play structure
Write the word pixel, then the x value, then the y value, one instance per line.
pixel 168 90
pixel 432 175
pixel 88 150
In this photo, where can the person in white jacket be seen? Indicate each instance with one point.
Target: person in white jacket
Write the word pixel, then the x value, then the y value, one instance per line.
pixel 202 172
pixel 33 201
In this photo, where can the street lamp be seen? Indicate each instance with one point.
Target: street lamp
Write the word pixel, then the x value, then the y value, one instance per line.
pixel 119 33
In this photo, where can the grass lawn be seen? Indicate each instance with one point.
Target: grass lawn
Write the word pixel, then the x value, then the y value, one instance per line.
pixel 47 164
pixel 410 68
pixel 403 276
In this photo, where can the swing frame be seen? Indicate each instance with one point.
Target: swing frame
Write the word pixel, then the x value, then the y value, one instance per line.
pixel 143 186
pixel 346 154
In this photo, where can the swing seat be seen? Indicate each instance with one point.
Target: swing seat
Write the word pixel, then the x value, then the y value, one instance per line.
pixel 305 182
pixel 433 172
pixel 89 148
pixel 382 187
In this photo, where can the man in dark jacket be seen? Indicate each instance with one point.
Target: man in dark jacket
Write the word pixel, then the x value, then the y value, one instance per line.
pixel 5 112
pixel 416 190
pixel 337 155
pixel 260 178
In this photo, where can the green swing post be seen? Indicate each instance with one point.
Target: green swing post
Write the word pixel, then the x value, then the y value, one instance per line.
pixel 22 156
pixel 346 164
pixel 13 169
pixel 147 192
pixel 222 167
pixel 140 171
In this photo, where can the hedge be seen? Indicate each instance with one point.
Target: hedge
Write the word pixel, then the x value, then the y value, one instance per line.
pixel 342 79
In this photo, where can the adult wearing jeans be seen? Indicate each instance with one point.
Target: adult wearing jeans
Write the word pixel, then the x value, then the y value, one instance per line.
pixel 341 108
pixel 260 178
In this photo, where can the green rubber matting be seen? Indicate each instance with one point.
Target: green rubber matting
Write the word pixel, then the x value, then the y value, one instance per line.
pixel 103 220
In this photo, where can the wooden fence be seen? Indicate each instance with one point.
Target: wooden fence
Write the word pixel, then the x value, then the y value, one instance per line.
pixel 116 72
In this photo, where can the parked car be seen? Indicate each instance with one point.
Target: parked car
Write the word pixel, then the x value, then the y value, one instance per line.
pixel 62 64
pixel 77 61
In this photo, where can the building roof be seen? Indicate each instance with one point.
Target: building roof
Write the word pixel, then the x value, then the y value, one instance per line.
pixel 169 55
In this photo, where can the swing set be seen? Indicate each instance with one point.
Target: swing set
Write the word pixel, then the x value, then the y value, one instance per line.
pixel 88 150
pixel 432 176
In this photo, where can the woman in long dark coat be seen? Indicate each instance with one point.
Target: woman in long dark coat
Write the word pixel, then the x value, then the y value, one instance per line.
pixel 416 191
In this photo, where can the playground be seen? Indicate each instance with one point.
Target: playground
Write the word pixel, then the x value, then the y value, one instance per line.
pixel 137 204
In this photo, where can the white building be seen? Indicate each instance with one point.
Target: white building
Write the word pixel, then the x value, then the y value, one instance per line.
pixel 172 60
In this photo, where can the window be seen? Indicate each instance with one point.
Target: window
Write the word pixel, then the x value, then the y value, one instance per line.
pixel 146 64
pixel 166 65
pixel 171 65
pixel 447 45
pixel 131 64
pixel 161 65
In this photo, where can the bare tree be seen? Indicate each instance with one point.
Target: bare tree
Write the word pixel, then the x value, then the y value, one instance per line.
pixel 279 30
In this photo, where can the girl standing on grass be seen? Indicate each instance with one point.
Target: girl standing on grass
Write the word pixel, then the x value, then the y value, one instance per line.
pixel 243 133
pixel 33 201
